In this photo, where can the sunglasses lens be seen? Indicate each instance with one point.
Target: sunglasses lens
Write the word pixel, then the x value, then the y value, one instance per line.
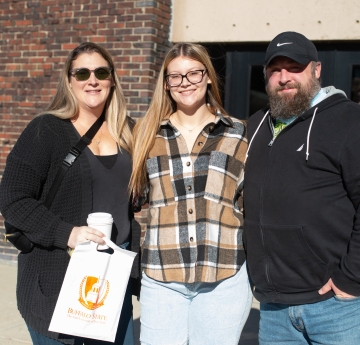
pixel 102 73
pixel 82 74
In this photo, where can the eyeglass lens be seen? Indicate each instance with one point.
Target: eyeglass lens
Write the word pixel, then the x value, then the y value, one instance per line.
pixel 83 74
pixel 193 77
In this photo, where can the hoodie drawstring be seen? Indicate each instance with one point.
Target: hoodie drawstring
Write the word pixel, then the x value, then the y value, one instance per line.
pixel 261 122
pixel 307 140
pixel 308 135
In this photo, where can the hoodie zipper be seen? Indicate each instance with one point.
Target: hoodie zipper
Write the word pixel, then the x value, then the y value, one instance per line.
pixel 267 261
pixel 272 129
pixel 271 143
pixel 267 264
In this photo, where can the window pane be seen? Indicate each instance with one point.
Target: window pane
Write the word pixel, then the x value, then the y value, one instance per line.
pixel 355 84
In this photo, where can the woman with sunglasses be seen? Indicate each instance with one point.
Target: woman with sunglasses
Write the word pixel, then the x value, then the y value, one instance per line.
pixel 188 162
pixel 97 182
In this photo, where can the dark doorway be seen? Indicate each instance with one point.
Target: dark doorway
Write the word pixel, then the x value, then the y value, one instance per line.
pixel 240 67
pixel 355 84
pixel 258 98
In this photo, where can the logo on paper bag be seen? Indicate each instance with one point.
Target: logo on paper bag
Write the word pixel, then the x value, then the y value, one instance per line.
pixel 93 292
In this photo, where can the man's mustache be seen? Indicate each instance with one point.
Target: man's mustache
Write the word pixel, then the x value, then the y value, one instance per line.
pixel 288 87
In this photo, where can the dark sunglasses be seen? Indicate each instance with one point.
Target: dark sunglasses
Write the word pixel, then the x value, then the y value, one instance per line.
pixel 82 74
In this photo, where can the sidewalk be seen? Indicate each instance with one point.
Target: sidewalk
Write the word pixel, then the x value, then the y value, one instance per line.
pixel 13 330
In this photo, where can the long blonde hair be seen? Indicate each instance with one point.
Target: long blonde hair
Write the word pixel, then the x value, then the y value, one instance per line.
pixel 65 105
pixel 162 106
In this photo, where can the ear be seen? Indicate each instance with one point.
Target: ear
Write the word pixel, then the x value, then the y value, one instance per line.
pixel 209 81
pixel 318 70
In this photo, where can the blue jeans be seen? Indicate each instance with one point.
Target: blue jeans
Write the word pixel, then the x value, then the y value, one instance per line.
pixel 335 321
pixel 198 313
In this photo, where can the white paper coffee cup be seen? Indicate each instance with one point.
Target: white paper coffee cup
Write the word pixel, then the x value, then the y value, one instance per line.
pixel 103 222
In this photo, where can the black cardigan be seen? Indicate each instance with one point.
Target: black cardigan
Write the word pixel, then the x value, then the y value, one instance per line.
pixel 30 170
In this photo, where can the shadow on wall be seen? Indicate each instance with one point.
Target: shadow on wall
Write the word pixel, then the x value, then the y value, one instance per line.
pixel 137 331
pixel 249 335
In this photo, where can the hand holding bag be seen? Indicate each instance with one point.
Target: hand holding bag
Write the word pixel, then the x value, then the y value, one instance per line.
pixel 93 291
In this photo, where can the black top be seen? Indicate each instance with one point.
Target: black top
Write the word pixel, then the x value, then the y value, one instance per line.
pixel 302 217
pixel 110 178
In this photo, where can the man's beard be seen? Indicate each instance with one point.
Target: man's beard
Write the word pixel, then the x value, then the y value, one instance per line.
pixel 287 106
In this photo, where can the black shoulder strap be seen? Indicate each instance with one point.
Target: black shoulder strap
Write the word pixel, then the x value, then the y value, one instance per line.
pixel 71 158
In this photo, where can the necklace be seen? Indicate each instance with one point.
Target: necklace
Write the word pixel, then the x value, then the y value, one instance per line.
pixel 190 130
pixel 98 141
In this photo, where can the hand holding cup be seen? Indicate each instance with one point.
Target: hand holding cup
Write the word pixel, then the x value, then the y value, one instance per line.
pixel 83 233
pixel 102 222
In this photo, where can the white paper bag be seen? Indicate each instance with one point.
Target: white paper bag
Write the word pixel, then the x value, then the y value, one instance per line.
pixel 92 294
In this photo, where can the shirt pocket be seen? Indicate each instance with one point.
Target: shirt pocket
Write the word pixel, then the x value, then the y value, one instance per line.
pixel 161 189
pixel 224 180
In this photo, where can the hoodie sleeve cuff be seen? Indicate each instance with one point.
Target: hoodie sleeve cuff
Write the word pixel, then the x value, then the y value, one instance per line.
pixel 344 283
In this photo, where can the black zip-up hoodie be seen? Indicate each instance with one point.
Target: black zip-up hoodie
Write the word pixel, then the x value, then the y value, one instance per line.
pixel 302 217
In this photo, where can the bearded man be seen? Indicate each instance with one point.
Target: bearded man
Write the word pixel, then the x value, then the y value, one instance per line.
pixel 301 203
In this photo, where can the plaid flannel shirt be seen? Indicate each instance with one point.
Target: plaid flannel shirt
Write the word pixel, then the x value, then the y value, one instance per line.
pixel 195 221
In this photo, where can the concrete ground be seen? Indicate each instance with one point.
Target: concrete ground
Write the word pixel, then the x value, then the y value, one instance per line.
pixel 13 330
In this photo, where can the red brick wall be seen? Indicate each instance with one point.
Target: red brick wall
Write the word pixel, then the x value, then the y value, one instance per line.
pixel 36 37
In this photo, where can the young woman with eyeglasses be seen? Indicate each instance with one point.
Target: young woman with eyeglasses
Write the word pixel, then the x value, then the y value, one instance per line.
pixel 188 163
pixel 97 182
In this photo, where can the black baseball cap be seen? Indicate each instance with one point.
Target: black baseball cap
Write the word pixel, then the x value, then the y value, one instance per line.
pixel 292 45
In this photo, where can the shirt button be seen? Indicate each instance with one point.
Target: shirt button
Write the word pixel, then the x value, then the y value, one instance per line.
pixel 191 210
pixel 188 164
pixel 188 187
pixel 211 128
pixel 191 239
pixel 200 143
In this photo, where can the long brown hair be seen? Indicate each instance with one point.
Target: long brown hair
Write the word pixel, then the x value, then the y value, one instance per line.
pixel 162 106
pixel 65 105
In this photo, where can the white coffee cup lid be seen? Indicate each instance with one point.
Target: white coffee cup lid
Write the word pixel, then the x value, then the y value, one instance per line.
pixel 99 218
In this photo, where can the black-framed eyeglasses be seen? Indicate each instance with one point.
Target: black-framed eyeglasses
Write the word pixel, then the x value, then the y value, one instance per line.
pixel 193 77
pixel 82 74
